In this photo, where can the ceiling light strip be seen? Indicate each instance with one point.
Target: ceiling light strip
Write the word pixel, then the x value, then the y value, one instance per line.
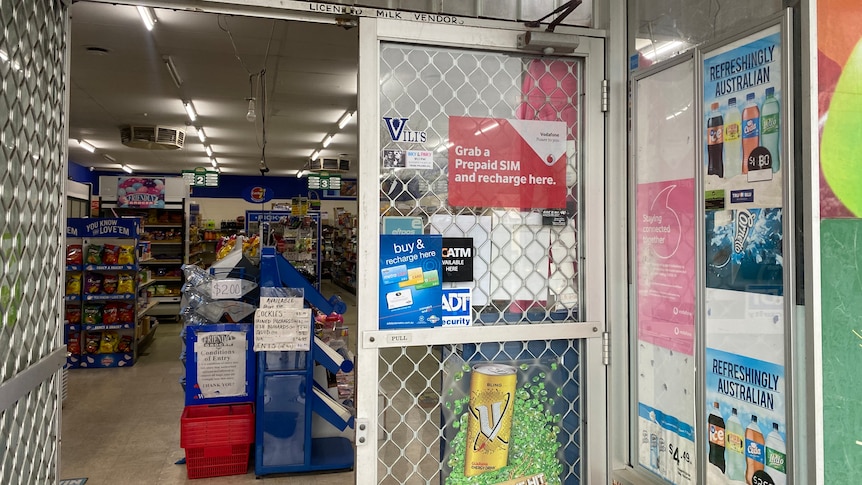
pixel 87 146
pixel 190 110
pixel 148 16
pixel 172 70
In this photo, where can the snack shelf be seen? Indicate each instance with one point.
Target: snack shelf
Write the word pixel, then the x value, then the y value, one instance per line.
pixel 93 299
pixel 162 261
pixel 164 279
pixel 166 243
pixel 145 284
pixel 143 311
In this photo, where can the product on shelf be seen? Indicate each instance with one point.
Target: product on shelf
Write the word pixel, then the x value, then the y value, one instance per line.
pixel 126 255
pixel 73 284
pixel 73 315
pixel 109 284
pixel 94 254
pixel 74 254
pixel 73 344
pixel 93 284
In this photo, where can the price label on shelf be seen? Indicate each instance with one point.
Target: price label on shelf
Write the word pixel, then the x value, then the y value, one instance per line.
pixel 226 289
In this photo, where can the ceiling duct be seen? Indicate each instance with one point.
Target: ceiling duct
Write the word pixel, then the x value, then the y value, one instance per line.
pixel 150 137
pixel 329 165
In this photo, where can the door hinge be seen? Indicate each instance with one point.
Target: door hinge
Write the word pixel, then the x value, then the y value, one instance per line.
pixel 605 95
pixel 606 348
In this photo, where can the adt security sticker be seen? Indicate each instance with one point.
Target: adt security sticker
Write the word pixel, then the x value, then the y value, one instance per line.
pixel 457 303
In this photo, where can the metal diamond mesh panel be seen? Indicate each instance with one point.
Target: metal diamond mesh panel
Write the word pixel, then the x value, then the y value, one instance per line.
pixel 425 389
pixel 31 174
pixel 30 433
pixel 526 271
pixel 32 72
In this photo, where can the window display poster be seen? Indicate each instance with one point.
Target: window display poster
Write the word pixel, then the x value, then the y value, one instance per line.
pixel 744 250
pixel 504 163
pixel 141 192
pixel 410 281
pixel 746 426
pixel 503 423
pixel 666 264
pixel 458 259
pixel 742 102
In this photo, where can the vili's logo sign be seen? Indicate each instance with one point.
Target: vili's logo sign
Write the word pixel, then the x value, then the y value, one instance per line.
pixel 398 131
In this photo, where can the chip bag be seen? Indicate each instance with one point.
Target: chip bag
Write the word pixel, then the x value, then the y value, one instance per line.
pixel 92 314
pixel 109 343
pixel 126 283
pixel 73 345
pixel 109 254
pixel 109 284
pixel 94 254
pixel 126 255
pixel 73 284
pixel 74 254
pixel 73 315
pixel 110 314
pixel 92 342
pixel 93 284
pixel 125 313
pixel 125 344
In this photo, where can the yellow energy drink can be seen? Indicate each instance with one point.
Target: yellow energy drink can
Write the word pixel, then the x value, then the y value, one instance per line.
pixel 489 426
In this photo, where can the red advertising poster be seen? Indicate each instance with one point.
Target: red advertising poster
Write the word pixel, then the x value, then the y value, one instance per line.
pixel 496 162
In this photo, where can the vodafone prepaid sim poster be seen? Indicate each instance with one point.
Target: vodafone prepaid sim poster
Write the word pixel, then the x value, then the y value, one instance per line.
pixel 497 162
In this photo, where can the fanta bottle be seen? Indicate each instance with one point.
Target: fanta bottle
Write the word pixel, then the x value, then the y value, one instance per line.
pixel 750 129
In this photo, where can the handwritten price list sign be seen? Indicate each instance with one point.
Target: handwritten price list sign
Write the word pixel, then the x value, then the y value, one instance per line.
pixel 281 324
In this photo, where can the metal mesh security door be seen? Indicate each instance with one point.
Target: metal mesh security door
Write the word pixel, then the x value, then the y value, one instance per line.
pixel 528 272
pixel 33 73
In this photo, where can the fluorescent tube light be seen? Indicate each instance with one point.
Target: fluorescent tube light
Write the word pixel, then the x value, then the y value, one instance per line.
pixel 652 52
pixel 86 146
pixel 300 174
pixel 110 158
pixel 214 162
pixel 126 168
pixel 209 151
pixel 314 155
pixel 190 109
pixel 327 141
pixel 172 70
pixel 345 119
pixel 201 135
pixel 148 17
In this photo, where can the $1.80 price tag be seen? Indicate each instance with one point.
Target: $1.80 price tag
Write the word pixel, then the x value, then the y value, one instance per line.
pixel 227 289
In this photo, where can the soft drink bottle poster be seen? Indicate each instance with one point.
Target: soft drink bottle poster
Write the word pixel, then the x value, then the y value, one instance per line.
pixel 743 120
pixel 746 420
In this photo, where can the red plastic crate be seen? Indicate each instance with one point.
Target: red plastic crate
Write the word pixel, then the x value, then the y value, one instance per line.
pixel 214 425
pixel 217 439
pixel 217 461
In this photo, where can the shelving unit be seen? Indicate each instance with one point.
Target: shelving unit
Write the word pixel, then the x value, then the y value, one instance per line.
pixel 287 394
pixel 343 251
pixel 104 322
pixel 296 237
pixel 164 225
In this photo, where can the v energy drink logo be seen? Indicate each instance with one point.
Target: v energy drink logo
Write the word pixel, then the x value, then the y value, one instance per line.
pixel 744 221
pixel 490 422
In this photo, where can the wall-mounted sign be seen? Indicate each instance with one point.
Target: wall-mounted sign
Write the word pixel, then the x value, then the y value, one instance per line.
pixel 258 194
pixel 398 131
pixel 402 225
pixel 201 177
pixel 141 192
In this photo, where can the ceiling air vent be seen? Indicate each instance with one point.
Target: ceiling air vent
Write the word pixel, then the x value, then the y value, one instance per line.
pixel 152 137
pixel 329 165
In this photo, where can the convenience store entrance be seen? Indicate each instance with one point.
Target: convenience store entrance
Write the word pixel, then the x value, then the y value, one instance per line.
pixel 494 156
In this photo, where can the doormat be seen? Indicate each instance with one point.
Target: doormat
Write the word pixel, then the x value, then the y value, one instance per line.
pixel 73 481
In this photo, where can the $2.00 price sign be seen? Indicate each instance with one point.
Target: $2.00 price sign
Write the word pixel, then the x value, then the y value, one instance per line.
pixel 226 289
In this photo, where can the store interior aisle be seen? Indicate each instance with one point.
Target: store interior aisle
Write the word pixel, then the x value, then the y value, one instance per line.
pixel 122 426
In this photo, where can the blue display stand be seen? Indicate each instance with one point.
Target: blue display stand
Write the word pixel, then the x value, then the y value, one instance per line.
pixel 287 394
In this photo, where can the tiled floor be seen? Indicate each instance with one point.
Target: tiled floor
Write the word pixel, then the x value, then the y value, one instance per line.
pixel 122 426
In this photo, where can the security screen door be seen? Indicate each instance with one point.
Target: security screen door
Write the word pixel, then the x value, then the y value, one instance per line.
pixel 33 71
pixel 492 157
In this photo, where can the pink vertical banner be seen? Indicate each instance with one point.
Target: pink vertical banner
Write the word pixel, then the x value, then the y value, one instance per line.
pixel 666 264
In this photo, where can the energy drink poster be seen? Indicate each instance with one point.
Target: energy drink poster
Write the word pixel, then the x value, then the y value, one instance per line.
pixel 411 294
pixel 746 426
pixel 502 423
pixel 743 108
pixel 518 164
pixel 666 268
